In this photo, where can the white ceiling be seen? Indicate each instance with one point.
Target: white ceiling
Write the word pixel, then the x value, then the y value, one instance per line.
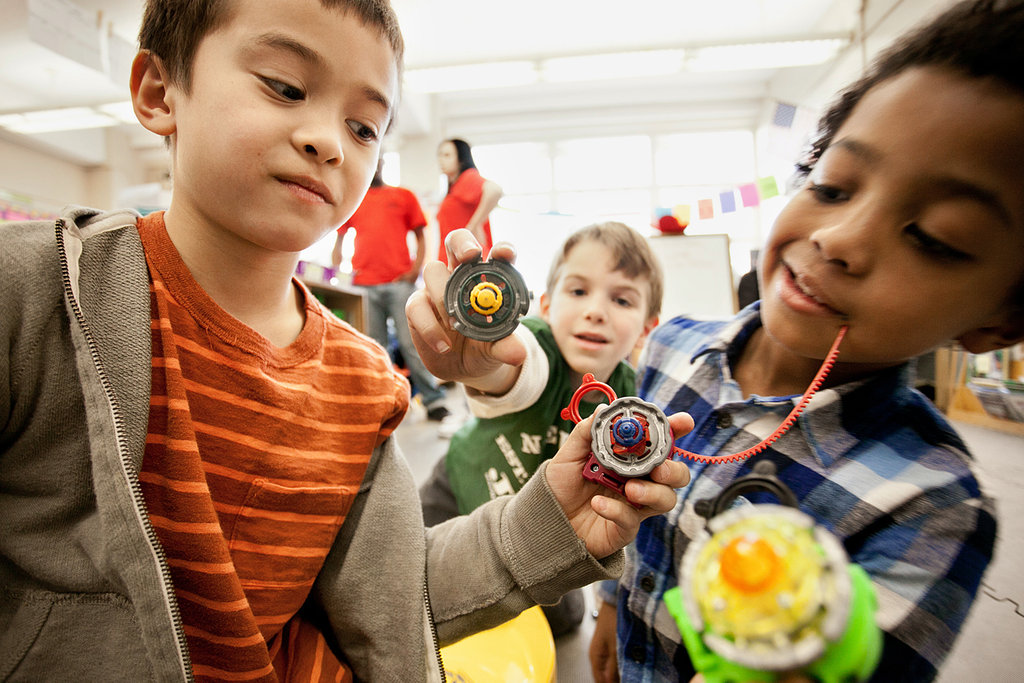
pixel 447 32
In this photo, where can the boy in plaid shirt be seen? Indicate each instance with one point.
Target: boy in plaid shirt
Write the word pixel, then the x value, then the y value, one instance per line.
pixel 908 230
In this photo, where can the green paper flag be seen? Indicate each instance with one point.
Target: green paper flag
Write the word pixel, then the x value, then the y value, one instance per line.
pixel 767 187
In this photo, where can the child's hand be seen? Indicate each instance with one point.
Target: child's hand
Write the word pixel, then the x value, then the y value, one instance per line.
pixel 491 367
pixel 604 661
pixel 602 518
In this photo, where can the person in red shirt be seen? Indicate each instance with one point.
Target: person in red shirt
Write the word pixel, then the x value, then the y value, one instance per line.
pixel 382 264
pixel 470 198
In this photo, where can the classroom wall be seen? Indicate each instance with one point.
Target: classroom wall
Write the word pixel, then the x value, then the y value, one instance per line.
pixel 48 181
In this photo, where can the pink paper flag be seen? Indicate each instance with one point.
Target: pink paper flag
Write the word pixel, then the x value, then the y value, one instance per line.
pixel 748 194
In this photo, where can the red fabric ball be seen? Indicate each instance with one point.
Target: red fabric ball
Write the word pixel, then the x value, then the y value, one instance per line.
pixel 670 224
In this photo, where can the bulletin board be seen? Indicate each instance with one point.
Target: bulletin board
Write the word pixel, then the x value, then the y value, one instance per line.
pixel 698 275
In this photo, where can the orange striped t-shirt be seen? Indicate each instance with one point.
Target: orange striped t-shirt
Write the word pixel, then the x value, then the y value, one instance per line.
pixel 253 457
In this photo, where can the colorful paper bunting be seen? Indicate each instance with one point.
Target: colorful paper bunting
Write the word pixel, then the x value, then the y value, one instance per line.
pixel 751 194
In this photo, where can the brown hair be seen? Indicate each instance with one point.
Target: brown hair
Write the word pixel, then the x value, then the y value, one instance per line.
pixel 173 29
pixel 630 251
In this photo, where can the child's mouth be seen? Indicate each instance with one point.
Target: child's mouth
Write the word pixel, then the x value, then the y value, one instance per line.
pixel 308 190
pixel 800 293
pixel 591 339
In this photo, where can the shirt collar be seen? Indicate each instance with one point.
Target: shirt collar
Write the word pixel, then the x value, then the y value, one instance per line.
pixel 734 335
pixel 825 423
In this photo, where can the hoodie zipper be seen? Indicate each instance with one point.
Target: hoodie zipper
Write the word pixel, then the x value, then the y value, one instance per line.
pixel 126 465
pixel 433 628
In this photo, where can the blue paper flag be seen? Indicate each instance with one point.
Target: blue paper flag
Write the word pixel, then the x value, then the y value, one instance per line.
pixel 728 201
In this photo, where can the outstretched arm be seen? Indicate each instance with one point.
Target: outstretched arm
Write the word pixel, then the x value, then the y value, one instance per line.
pixel 603 519
pixel 488 367
pixel 559 532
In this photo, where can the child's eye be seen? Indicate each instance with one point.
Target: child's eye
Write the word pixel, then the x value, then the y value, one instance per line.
pixel 577 291
pixel 828 194
pixel 283 90
pixel 363 132
pixel 624 302
pixel 933 247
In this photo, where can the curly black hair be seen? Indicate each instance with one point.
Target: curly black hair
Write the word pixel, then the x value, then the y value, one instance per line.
pixel 978 38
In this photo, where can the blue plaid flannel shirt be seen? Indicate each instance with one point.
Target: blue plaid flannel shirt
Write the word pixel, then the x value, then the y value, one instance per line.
pixel 872 461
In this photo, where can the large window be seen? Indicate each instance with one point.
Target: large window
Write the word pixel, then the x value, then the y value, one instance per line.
pixel 553 188
pixel 524 168
pixel 618 176
pixel 603 163
pixel 704 159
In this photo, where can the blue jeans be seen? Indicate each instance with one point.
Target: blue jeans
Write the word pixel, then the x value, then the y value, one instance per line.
pixel 388 301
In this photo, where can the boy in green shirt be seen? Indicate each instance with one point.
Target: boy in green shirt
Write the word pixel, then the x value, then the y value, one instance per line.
pixel 603 296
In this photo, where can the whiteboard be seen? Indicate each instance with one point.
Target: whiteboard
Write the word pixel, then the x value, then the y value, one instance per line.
pixel 698 275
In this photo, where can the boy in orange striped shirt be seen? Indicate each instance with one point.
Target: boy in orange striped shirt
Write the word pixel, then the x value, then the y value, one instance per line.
pixel 198 477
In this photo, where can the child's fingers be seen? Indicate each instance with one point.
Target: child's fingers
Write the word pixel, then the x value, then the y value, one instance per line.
pixel 656 497
pixel 509 350
pixel 577 445
pixel 681 423
pixel 618 511
pixel 502 251
pixel 672 473
pixel 435 279
pixel 460 246
pixel 424 323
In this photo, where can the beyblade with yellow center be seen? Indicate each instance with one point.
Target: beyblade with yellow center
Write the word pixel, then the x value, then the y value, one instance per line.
pixel 764 590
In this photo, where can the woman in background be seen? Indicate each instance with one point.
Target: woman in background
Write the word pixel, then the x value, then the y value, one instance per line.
pixel 470 198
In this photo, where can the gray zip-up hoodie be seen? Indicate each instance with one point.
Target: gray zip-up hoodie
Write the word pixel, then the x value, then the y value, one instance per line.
pixel 84 589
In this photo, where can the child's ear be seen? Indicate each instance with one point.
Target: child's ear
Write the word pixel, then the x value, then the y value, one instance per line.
pixel 545 307
pixel 651 323
pixel 998 336
pixel 149 89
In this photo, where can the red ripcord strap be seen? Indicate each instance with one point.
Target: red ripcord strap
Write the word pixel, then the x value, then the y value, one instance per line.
pixel 819 379
pixel 589 384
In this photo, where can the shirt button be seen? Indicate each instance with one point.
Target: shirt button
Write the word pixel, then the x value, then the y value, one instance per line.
pixel 636 653
pixel 647 583
pixel 724 420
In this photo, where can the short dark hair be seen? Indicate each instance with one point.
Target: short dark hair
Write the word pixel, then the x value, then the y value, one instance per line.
pixel 173 29
pixel 630 250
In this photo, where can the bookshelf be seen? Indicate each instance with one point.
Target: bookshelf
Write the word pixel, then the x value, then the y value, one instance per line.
pixel 961 377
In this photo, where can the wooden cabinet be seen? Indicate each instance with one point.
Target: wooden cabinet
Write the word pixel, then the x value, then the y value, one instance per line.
pixel 347 302
pixel 953 395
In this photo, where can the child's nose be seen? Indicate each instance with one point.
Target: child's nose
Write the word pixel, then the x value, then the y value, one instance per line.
pixel 320 141
pixel 595 308
pixel 846 243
